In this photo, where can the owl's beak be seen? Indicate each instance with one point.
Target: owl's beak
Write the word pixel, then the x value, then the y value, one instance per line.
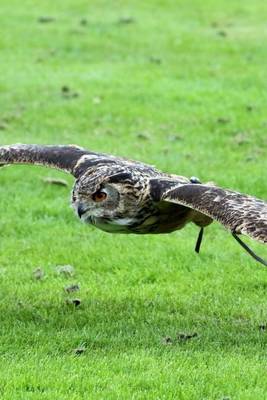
pixel 80 211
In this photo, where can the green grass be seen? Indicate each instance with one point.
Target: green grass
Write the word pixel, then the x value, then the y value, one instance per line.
pixel 183 86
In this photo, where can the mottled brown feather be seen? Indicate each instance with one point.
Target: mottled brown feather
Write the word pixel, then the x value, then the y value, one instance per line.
pixel 240 213
pixel 60 157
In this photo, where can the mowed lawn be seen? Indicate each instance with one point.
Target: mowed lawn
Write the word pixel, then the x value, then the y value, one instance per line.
pixel 178 84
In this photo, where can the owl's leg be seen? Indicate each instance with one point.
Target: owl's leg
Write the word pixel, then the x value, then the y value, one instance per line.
pixel 194 179
pixel 259 259
pixel 199 240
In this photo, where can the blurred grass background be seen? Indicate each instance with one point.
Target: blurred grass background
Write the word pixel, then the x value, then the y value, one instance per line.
pixel 178 84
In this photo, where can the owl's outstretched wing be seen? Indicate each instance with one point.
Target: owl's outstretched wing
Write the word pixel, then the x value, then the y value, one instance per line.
pixel 72 159
pixel 66 158
pixel 239 213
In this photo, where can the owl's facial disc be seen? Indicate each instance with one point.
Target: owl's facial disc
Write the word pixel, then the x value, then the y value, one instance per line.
pixel 110 200
pixel 101 202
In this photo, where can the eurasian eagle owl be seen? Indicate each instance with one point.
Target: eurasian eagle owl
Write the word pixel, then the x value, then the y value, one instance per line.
pixel 119 195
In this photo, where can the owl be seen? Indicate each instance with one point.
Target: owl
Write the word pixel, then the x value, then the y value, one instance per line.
pixel 119 195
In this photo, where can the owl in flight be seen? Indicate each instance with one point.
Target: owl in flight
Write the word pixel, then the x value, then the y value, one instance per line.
pixel 119 195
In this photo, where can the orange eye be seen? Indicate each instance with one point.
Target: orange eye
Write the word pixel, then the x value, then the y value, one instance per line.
pixel 99 196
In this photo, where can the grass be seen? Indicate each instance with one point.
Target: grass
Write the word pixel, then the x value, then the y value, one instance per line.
pixel 181 86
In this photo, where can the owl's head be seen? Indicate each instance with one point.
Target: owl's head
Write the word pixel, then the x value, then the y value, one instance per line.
pixel 107 195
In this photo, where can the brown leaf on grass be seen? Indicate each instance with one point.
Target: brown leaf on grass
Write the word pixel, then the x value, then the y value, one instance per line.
pixel 72 288
pixel 250 157
pixel 166 150
pixel 155 60
pixel 73 302
pixel 126 20
pixel 65 89
pixel 67 93
pixel 241 138
pixel 167 340
pixel 174 138
pixel 46 19
pixel 79 350
pixel 214 24
pixel 96 100
pixel 66 270
pixel 180 337
pixel 186 336
pixel 83 22
pixel 143 135
pixel 12 116
pixel 223 120
pixel 3 126
pixel 262 327
pixel 55 181
pixel 38 274
pixel 222 33
pixel 76 302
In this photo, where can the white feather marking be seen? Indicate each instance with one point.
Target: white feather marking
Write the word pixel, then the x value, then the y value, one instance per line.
pixel 217 199
pixel 122 221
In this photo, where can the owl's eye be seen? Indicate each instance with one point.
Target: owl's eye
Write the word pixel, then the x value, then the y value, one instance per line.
pixel 99 196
